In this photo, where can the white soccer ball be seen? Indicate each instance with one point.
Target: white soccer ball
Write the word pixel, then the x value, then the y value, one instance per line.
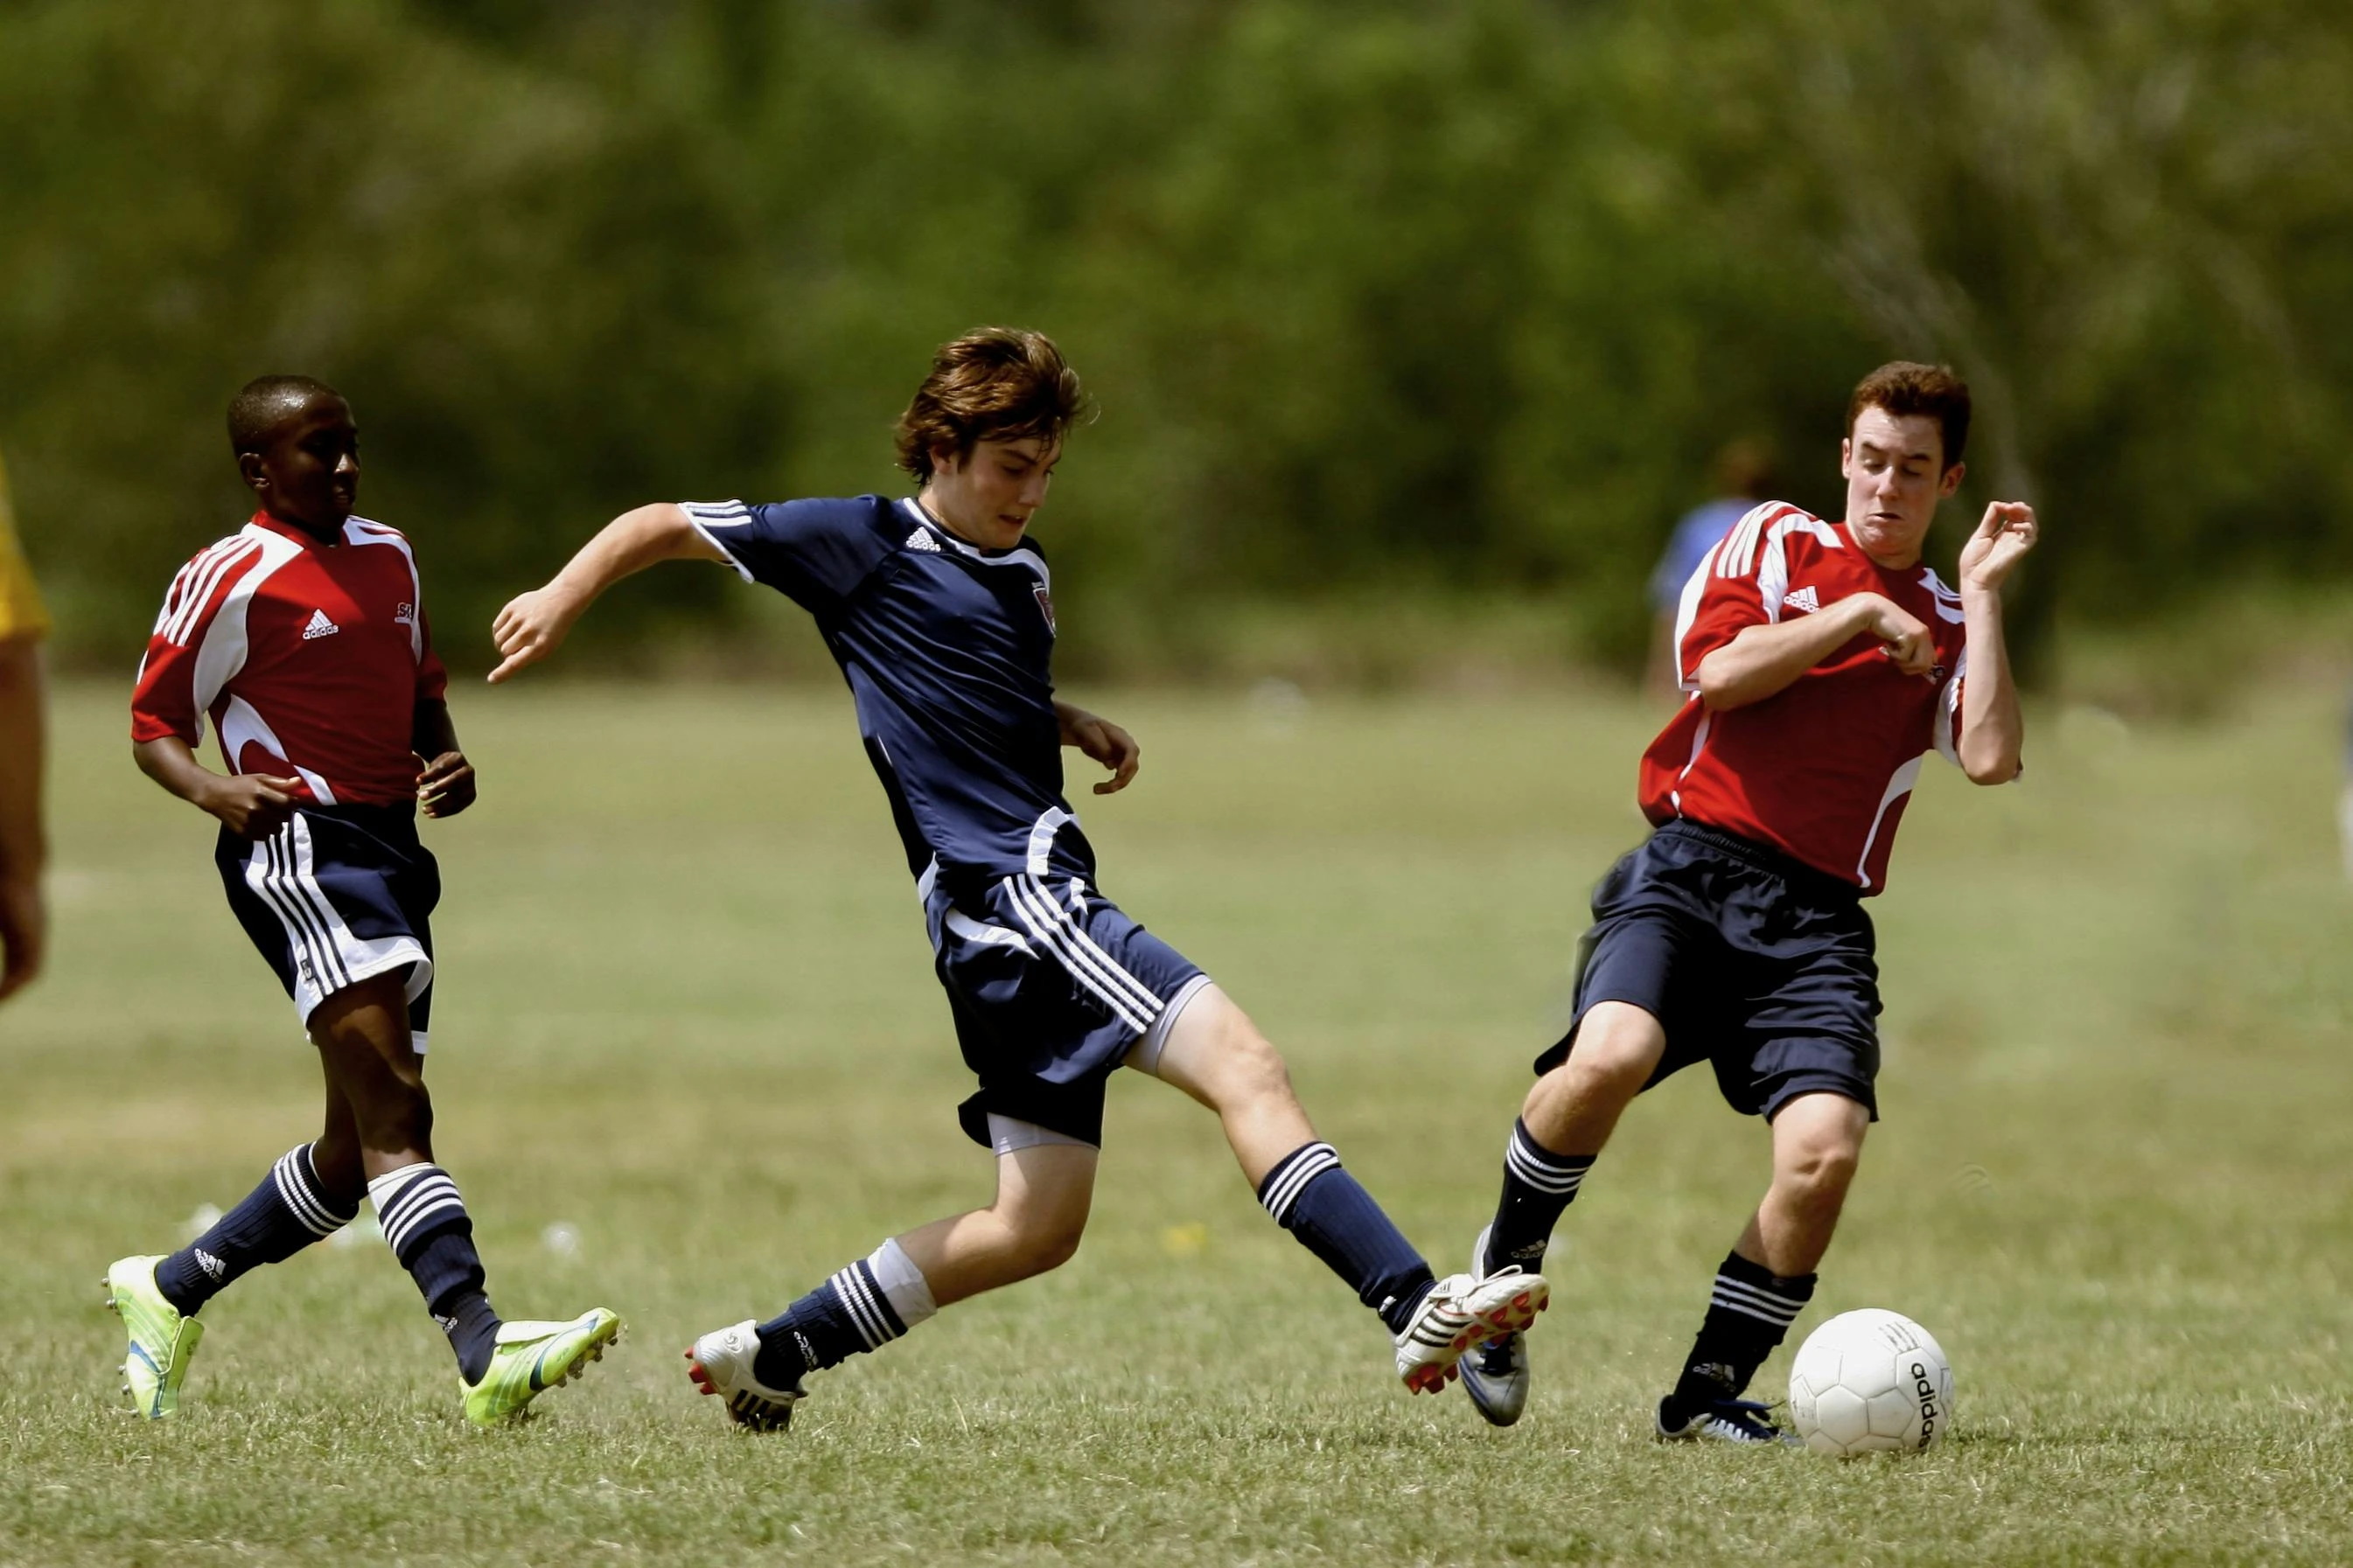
pixel 1871 1382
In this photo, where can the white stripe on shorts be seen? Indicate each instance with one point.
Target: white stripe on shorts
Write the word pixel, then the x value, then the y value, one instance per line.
pixel 281 871
pixel 1053 929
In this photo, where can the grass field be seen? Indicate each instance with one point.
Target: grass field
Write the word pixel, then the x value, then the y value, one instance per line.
pixel 686 1010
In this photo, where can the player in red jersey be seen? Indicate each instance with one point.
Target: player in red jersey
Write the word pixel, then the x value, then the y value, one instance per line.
pixel 1822 662
pixel 302 637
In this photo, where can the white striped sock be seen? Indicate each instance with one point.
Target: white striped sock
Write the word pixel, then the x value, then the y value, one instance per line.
pixel 1288 1180
pixel 1540 1168
pixel 407 1199
pixel 903 1285
pixel 298 1187
pixel 1765 1305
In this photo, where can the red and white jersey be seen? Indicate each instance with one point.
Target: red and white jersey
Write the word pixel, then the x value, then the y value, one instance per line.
pixel 309 659
pixel 1821 769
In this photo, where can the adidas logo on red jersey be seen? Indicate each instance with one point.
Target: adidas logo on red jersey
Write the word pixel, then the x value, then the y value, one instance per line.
pixel 320 626
pixel 1804 601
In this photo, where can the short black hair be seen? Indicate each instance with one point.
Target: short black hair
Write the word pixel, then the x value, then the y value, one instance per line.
pixel 265 400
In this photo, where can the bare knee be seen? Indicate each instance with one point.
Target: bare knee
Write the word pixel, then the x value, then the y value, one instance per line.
pixel 1040 1241
pixel 1617 1048
pixel 1813 1174
pixel 1240 1068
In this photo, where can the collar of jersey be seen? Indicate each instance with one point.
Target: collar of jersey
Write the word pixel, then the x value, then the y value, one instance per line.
pixel 939 530
pixel 302 536
pixel 1918 572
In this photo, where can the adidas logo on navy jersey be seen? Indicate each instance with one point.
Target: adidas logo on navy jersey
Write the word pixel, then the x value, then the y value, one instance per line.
pixel 1804 601
pixel 320 626
pixel 922 539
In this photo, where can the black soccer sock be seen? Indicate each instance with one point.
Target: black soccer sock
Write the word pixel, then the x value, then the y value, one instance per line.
pixel 846 1315
pixel 1538 1185
pixel 426 1225
pixel 289 1211
pixel 1750 1312
pixel 1334 1217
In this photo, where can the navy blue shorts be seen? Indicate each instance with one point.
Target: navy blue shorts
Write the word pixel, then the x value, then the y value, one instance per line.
pixel 1749 960
pixel 1051 985
pixel 339 895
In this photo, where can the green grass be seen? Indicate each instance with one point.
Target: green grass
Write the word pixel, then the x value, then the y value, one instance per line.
pixel 686 1008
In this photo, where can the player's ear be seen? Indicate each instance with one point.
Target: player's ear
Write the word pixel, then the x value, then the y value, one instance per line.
pixel 249 464
pixel 1951 481
pixel 1846 455
pixel 946 457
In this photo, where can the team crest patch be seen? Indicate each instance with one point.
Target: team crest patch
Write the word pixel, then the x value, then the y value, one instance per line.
pixel 1045 605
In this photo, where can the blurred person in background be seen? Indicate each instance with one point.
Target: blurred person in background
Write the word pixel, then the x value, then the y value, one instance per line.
pixel 23 923
pixel 1745 475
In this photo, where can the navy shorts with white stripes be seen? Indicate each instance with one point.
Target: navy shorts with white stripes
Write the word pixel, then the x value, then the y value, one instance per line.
pixel 339 895
pixel 1051 984
pixel 1750 961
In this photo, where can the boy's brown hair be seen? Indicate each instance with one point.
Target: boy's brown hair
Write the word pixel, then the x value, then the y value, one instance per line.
pixel 999 384
pixel 1905 388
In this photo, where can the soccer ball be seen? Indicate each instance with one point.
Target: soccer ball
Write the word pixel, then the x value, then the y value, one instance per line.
pixel 1872 1382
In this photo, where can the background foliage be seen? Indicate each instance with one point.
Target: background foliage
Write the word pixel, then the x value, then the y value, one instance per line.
pixel 1382 303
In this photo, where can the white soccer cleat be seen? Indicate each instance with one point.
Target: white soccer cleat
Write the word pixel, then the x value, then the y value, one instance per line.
pixel 1459 1312
pixel 721 1363
pixel 1495 1373
pixel 1743 1421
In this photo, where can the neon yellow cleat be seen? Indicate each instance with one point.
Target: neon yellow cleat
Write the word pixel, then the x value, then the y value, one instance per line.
pixel 161 1340
pixel 531 1356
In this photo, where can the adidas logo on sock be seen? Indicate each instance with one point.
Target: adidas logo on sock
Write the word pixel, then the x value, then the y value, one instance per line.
pixel 320 626
pixel 1805 601
pixel 920 540
pixel 213 1267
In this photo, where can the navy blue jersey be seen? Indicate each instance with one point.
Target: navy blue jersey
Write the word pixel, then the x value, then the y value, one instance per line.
pixel 948 649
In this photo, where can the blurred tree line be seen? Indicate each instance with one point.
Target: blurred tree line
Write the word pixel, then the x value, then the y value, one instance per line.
pixel 1376 298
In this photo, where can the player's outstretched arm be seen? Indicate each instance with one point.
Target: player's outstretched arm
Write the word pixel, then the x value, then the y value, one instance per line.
pixel 251 805
pixel 1103 740
pixel 1992 729
pixel 534 624
pixel 1765 660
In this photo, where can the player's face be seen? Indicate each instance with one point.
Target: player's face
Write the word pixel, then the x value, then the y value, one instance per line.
pixel 1896 475
pixel 309 473
pixel 989 495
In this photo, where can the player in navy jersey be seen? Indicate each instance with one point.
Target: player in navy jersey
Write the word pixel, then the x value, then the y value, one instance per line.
pixel 940 611
pixel 1819 663
pixel 302 637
